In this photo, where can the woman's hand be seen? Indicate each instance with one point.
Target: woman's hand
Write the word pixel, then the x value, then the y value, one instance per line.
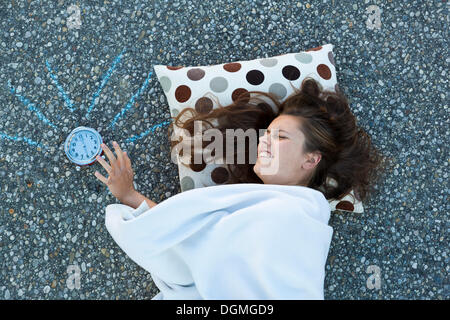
pixel 120 180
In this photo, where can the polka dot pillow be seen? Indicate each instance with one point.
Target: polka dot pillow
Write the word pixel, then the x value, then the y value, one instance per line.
pixel 200 87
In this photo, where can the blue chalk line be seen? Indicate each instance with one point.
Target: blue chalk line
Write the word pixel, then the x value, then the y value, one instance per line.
pixel 27 140
pixel 134 138
pixel 131 101
pixel 60 88
pixel 104 81
pixel 31 106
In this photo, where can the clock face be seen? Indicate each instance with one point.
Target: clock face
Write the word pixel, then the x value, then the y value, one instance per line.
pixel 83 145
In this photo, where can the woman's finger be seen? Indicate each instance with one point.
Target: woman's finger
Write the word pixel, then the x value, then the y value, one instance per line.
pixel 104 164
pixel 119 153
pixel 101 177
pixel 109 154
pixel 127 160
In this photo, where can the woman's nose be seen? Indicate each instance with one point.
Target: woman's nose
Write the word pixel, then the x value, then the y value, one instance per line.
pixel 266 134
pixel 265 139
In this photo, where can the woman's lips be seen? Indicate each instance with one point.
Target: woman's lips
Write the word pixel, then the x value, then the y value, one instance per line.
pixel 265 153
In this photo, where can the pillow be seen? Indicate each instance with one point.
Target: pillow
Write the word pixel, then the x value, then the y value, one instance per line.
pixel 200 87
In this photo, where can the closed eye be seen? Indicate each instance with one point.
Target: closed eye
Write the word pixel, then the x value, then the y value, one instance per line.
pixel 281 137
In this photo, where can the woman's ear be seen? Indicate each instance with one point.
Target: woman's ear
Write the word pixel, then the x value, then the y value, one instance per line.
pixel 312 160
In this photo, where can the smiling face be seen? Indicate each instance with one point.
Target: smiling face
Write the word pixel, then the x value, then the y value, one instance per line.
pixel 281 159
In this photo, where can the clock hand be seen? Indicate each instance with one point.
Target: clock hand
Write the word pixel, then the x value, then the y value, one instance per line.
pixel 84 145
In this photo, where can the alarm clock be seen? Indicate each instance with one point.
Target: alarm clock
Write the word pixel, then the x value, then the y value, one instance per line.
pixel 83 145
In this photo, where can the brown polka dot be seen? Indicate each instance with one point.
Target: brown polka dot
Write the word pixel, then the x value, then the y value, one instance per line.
pixel 264 105
pixel 345 205
pixel 197 167
pixel 219 175
pixel 232 67
pixel 314 49
pixel 324 71
pixel 203 105
pixel 195 74
pixel 243 93
pixel 174 68
pixel 291 73
pixel 255 77
pixel 182 93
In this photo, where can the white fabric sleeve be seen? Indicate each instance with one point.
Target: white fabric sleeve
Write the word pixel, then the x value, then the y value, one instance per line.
pixel 128 214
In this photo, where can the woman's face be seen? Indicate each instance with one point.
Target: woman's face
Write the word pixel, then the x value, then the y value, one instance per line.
pixel 285 163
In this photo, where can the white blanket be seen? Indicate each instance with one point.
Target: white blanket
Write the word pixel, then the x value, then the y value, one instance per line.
pixel 236 241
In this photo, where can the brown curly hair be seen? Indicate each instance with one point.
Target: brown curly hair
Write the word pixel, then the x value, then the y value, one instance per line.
pixel 327 123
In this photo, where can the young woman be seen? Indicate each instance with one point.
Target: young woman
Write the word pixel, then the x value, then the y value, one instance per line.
pixel 263 234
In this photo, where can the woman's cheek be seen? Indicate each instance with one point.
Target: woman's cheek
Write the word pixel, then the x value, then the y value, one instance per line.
pixel 276 150
pixel 283 151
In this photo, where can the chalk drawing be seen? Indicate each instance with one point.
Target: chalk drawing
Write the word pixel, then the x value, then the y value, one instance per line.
pixel 30 106
pixel 142 135
pixel 131 101
pixel 67 100
pixel 104 81
pixel 27 140
pixel 69 104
